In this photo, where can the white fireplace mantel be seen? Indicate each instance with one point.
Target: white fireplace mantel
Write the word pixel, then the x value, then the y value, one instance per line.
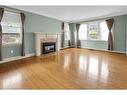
pixel 46 37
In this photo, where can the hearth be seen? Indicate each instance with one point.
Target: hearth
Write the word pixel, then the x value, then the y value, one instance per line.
pixel 48 47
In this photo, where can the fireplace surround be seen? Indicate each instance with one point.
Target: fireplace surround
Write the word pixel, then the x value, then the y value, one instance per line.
pixel 42 39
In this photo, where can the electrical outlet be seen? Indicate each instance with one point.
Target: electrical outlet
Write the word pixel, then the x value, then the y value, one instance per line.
pixel 11 51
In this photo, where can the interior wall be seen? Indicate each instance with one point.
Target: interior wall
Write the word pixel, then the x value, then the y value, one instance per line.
pixel 38 23
pixel 126 34
pixel 29 47
pixel 119 33
pixel 33 23
pixel 119 36
pixel 71 32
pixel 94 44
pixel 29 43
pixel 6 51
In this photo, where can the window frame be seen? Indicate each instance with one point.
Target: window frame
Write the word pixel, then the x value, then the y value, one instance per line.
pixel 18 33
pixel 67 32
pixel 83 31
pixel 99 31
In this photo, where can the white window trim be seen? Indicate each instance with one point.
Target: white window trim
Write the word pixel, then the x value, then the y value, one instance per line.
pixel 13 44
pixel 88 38
pixel 67 31
pixel 95 40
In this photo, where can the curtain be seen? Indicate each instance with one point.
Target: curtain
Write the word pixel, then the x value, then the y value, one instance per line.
pixel 62 36
pixel 23 45
pixel 69 41
pixel 110 38
pixel 78 41
pixel 1 16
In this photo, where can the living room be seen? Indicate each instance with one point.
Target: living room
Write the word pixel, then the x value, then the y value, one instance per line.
pixel 53 47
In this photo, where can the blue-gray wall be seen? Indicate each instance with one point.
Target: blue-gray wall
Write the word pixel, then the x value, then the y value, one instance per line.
pixel 126 34
pixel 37 23
pixel 71 26
pixel 33 23
pixel 6 51
pixel 119 35
pixel 29 43
pixel 29 47
pixel 94 44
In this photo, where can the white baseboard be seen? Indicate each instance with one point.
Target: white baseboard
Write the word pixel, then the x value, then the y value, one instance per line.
pixel 65 47
pixel 16 58
pixel 105 50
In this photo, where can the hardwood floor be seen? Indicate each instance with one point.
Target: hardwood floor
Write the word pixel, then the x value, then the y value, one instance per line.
pixel 69 69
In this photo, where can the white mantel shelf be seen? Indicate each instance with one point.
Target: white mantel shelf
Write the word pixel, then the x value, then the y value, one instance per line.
pixel 46 36
pixel 48 33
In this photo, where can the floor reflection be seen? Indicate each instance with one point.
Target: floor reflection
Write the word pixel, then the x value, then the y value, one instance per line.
pixel 66 61
pixel 104 71
pixel 12 80
pixel 69 69
pixel 82 63
pixel 93 67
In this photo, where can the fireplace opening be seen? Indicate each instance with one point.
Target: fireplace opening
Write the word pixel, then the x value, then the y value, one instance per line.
pixel 48 47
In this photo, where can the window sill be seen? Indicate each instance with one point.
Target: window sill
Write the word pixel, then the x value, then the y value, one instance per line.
pixel 95 40
pixel 8 45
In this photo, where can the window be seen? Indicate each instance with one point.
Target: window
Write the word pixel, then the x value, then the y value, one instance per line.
pixel 94 31
pixel 67 31
pixel 83 32
pixel 11 28
pixel 104 31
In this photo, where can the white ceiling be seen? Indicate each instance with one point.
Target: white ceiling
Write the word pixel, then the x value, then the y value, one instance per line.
pixel 75 13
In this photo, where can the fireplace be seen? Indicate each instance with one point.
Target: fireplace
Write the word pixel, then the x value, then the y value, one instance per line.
pixel 48 47
pixel 47 43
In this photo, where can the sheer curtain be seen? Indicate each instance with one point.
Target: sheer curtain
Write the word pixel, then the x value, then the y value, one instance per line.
pixel 67 34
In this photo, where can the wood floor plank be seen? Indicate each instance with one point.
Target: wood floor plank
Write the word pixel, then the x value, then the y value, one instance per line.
pixel 68 69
